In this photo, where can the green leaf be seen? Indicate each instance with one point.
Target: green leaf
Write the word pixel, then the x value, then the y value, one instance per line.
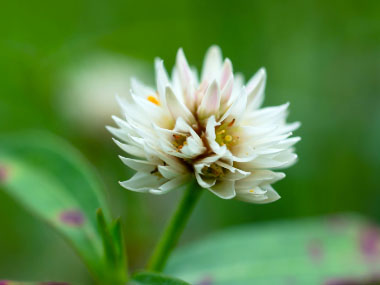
pixel 311 251
pixel 150 278
pixel 52 180
pixel 51 154
pixel 113 247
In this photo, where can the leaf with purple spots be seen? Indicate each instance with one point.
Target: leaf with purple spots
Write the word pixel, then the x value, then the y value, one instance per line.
pixel 52 180
pixel 310 251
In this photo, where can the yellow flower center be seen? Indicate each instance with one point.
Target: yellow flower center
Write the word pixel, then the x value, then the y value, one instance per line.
pixel 179 141
pixel 224 134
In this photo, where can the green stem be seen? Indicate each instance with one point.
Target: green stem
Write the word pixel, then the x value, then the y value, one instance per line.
pixel 174 229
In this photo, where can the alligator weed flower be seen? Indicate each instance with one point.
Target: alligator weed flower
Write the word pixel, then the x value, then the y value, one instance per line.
pixel 211 128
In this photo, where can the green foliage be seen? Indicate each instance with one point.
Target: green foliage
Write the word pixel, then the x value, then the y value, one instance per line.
pixel 149 278
pixel 304 252
pixel 52 180
pixel 114 248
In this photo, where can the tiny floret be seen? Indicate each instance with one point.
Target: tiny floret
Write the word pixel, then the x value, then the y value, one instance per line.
pixel 209 128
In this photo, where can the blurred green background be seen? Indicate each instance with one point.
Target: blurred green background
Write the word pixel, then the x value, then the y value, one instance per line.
pixel 322 56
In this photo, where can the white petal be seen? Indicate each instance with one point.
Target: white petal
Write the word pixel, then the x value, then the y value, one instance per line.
pixel 270 196
pixel 192 148
pixel 259 177
pixel 182 126
pixel 224 189
pixel 131 149
pixel 210 102
pixel 204 182
pixel 119 133
pixel 162 79
pixel 288 142
pixel 168 172
pixel 140 89
pixel 170 185
pixel 255 89
pixel 281 160
pixel 139 165
pixel 211 136
pixel 177 108
pixel 268 115
pixel 233 173
pixel 143 182
pixel 212 64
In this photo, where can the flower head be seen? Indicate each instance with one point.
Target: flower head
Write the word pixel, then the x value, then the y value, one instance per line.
pixel 211 128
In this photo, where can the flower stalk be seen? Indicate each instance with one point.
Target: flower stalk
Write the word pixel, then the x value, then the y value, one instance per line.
pixel 174 228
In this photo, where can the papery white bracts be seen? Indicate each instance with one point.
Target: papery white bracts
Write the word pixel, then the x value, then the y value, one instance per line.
pixel 212 129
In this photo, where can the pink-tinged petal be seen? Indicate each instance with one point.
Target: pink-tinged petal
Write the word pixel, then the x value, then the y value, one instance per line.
pixel 177 108
pixel 237 110
pixel 226 93
pixel 227 73
pixel 186 79
pixel 224 189
pixel 255 89
pixel 212 64
pixel 184 70
pixel 210 102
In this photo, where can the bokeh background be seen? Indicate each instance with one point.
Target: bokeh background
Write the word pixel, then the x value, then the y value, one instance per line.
pixel 61 63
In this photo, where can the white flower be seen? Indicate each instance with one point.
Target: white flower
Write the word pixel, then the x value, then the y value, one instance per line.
pixel 212 129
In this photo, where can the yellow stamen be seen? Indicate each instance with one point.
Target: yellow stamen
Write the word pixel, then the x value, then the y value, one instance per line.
pixel 252 191
pixel 153 100
pixel 228 138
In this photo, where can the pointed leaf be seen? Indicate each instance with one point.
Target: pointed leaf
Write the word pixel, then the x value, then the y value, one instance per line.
pixel 51 179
